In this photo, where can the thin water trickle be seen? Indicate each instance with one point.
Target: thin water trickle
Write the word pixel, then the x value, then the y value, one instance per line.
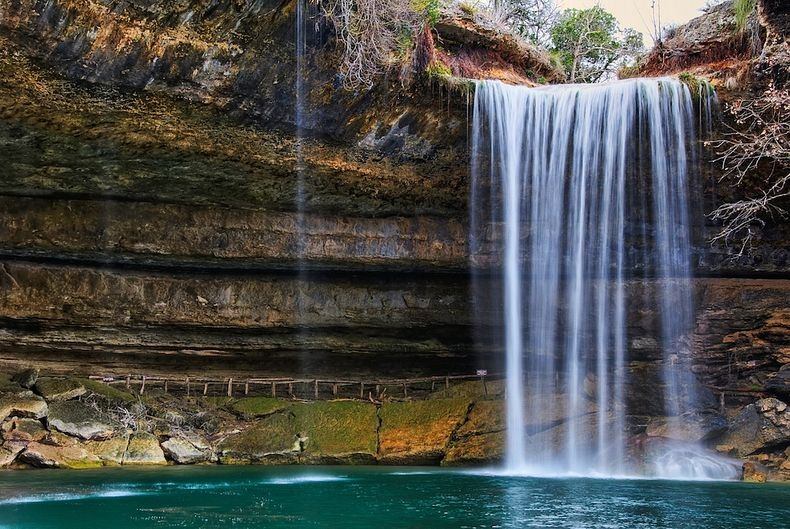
pixel 555 171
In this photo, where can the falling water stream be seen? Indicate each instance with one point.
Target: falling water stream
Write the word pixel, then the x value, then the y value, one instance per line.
pixel 586 186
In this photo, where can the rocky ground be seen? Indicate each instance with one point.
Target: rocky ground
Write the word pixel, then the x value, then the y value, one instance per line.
pixel 79 423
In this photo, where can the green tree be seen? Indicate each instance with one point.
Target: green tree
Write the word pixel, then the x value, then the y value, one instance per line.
pixel 591 45
pixel 532 19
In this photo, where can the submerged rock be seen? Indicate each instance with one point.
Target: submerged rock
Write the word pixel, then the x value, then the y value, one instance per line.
pixel 80 420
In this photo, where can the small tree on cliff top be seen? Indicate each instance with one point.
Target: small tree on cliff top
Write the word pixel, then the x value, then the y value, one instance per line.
pixel 591 45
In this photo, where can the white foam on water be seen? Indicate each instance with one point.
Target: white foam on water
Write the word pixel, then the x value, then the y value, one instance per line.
pixel 692 463
pixel 60 497
pixel 310 478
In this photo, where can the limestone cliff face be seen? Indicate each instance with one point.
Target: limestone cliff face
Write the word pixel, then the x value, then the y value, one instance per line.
pixel 148 188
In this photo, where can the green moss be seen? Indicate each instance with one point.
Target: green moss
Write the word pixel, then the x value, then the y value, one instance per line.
pixel 274 434
pixel 256 406
pixel 472 389
pixel 59 387
pixel 437 69
pixel 337 427
pixel 107 391
pixel 697 85
pixel 429 9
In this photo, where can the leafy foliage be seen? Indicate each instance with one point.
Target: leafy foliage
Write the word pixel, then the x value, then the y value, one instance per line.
pixel 532 19
pixel 591 44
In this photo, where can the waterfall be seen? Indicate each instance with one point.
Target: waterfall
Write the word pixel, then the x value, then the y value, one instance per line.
pixel 577 190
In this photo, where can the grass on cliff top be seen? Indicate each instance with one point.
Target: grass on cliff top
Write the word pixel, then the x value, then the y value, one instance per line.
pixel 337 427
pixel 420 425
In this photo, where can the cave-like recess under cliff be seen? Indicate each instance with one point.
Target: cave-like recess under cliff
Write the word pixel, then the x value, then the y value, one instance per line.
pixel 147 152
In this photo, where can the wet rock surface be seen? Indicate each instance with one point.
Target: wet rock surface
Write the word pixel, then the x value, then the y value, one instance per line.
pixel 759 427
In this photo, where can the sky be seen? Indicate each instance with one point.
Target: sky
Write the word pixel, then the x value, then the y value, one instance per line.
pixel 637 14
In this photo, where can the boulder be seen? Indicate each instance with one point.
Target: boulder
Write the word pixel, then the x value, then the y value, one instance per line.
pixel 26 378
pixel 9 452
pixel 758 427
pixel 183 451
pixel 59 388
pixel 418 432
pixel 26 405
pixel 144 449
pixel 80 420
pixel 53 456
pixel 110 451
pixel 23 430
pixel 754 472
pixel 690 427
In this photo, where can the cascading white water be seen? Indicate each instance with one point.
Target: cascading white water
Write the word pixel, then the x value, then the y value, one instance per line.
pixel 564 174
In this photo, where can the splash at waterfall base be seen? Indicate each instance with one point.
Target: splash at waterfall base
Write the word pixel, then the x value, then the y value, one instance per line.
pixel 565 178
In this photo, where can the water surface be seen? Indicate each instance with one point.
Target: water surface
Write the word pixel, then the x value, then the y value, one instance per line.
pixel 364 497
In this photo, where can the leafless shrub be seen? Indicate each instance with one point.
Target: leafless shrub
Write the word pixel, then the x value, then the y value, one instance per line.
pixel 375 35
pixel 759 144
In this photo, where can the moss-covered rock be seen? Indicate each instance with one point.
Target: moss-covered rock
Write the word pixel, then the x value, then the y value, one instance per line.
pixel 59 388
pixel 53 456
pixel 144 449
pixel 476 449
pixel 337 431
pixel 269 441
pixel 77 419
pixel 257 406
pixel 110 393
pixel 485 416
pixel 418 432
